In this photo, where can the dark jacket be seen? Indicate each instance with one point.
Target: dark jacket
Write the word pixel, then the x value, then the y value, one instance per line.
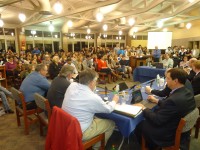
pixel 160 126
pixel 196 84
pixel 166 91
pixel 191 75
pixel 57 91
pixel 54 70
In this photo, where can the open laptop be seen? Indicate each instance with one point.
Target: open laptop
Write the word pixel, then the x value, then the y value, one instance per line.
pixel 122 86
pixel 159 65
pixel 137 98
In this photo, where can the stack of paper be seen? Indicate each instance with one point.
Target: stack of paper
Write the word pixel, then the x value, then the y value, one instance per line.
pixel 128 110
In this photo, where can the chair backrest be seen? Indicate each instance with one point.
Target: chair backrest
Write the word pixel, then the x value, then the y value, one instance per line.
pixel 42 103
pixel 178 133
pixel 191 119
pixel 18 97
pixel 197 100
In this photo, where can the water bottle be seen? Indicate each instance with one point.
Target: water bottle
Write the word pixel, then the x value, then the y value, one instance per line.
pixel 158 79
pixel 117 88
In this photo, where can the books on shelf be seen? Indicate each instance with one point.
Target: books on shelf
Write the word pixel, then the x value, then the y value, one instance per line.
pixel 128 110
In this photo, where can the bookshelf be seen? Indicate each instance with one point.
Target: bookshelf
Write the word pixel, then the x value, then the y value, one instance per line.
pixel 3 80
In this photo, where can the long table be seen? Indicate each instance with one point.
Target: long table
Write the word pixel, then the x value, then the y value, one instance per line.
pixel 145 73
pixel 126 124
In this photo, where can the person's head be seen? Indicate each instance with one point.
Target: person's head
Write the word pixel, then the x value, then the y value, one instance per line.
pixel 69 60
pixel 176 78
pixel 47 57
pixel 185 58
pixel 10 58
pixel 166 56
pixel 88 77
pixel 191 61
pixel 42 69
pixel 67 71
pixel 156 47
pixel 55 59
pixel 196 66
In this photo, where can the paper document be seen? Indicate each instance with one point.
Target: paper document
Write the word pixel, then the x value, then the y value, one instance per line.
pixel 128 110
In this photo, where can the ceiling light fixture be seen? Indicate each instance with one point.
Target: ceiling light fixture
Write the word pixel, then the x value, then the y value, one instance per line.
pixel 58 7
pixel 33 32
pixel 105 27
pixel 188 25
pixel 191 1
pixel 51 27
pixel 88 31
pixel 120 32
pixel 131 21
pixel 165 30
pixel 160 24
pixel 69 23
pixel 99 17
pixel 22 17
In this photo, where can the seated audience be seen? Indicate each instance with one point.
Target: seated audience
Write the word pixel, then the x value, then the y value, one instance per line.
pixel 189 69
pixel 184 63
pixel 59 86
pixel 125 66
pixel 54 67
pixel 10 66
pixel 35 82
pixel 3 93
pixel 167 62
pixel 81 102
pixel 196 80
pixel 46 60
pixel 69 62
pixel 159 126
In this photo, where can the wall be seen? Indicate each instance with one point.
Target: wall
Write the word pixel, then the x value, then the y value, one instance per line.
pixel 183 36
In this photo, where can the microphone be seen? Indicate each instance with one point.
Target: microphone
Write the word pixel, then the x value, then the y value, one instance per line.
pixel 106 90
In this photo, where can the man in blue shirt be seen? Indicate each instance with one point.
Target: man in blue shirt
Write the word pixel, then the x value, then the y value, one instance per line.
pixel 35 82
pixel 36 51
pixel 156 54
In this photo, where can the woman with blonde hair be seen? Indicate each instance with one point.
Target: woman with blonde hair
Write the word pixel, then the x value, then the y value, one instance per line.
pixel 54 67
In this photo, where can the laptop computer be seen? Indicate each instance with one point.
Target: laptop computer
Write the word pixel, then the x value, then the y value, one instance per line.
pixel 137 98
pixel 122 86
pixel 159 65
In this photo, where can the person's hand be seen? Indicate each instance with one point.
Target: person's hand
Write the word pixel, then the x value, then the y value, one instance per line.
pixel 140 105
pixel 152 99
pixel 116 98
pixel 148 89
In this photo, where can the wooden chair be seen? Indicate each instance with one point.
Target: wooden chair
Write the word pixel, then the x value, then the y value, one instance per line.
pixel 21 111
pixel 55 131
pixel 43 108
pixel 185 124
pixel 197 126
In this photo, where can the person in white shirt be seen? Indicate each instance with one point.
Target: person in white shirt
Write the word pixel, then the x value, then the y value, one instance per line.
pixel 81 102
pixel 69 62
pixel 167 62
pixel 195 52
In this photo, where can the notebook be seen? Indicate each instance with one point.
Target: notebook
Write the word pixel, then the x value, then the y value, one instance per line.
pixel 128 110
pixel 137 98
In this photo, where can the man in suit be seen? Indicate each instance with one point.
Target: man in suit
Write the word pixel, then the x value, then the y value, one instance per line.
pixel 159 126
pixel 196 80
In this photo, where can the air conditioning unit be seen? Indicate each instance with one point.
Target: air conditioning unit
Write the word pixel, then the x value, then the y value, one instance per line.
pixel 180 25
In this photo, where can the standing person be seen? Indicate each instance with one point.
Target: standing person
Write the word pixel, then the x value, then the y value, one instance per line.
pixel 195 52
pixel 81 102
pixel 116 49
pixel 59 86
pixel 35 82
pixel 156 54
pixel 159 126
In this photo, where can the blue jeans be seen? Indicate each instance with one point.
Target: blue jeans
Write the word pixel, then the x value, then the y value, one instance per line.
pixel 3 93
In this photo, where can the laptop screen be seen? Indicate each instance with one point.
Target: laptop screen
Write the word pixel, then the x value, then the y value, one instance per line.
pixel 122 86
pixel 136 96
